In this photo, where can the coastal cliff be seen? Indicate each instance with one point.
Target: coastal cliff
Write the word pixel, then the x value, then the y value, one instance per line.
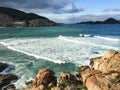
pixel 15 18
pixel 102 74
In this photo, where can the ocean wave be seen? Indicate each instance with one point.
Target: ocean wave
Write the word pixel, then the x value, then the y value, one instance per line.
pixel 108 39
pixel 30 54
pixel 85 35
pixel 87 43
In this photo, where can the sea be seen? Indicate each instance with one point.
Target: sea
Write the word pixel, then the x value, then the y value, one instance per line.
pixel 63 48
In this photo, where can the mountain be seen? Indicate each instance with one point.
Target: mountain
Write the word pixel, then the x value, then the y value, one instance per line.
pixel 107 21
pixel 13 17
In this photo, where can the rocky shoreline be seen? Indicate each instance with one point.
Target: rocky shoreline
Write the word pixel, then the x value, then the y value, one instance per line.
pixel 103 73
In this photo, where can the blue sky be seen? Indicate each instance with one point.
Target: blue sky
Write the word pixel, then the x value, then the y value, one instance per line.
pixel 68 11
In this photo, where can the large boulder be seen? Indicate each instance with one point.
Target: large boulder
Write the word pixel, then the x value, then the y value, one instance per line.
pixel 103 73
pixel 96 80
pixel 110 62
pixel 44 78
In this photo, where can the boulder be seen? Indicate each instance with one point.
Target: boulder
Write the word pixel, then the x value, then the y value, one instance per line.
pixel 7 79
pixel 96 80
pixel 110 62
pixel 43 79
pixel 3 66
pixel 103 73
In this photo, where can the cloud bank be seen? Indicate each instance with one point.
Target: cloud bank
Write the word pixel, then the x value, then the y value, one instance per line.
pixel 81 18
pixel 43 6
pixel 112 10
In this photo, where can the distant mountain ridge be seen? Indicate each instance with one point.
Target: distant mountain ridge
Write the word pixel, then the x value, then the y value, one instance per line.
pixel 14 17
pixel 107 21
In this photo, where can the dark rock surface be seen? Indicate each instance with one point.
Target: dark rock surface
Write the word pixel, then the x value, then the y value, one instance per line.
pixel 7 79
pixel 3 66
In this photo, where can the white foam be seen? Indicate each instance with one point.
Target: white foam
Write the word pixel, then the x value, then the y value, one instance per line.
pixel 87 43
pixel 61 49
pixel 36 56
pixel 85 35
pixel 109 39
pixel 3 43
pixel 30 54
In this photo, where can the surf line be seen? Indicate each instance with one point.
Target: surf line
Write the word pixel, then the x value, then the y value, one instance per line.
pixel 30 54
pixel 92 44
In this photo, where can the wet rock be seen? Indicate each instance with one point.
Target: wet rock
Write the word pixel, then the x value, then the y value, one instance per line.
pixel 7 79
pixel 10 87
pixel 3 66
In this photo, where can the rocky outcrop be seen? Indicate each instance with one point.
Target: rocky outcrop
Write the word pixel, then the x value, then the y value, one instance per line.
pixel 110 62
pixel 104 73
pixel 44 79
pixel 5 80
pixel 96 80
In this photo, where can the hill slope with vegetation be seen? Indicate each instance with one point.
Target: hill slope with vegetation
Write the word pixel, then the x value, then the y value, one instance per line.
pixel 14 17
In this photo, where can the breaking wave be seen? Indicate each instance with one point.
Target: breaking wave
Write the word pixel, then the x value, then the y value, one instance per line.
pixel 30 54
pixel 87 43
pixel 109 39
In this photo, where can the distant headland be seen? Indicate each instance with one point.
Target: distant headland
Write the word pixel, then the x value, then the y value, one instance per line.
pixel 107 21
pixel 10 17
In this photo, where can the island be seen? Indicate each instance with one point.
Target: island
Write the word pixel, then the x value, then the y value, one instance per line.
pixel 107 21
pixel 10 17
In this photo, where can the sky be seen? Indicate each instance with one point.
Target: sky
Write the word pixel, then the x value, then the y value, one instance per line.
pixel 68 11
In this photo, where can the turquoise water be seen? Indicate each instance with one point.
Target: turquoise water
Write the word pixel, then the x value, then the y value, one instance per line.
pixel 58 48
